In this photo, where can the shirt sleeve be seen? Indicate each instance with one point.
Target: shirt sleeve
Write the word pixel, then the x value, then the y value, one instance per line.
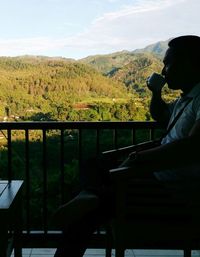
pixel 196 107
pixel 171 106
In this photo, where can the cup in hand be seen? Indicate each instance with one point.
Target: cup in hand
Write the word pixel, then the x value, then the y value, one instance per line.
pixel 155 82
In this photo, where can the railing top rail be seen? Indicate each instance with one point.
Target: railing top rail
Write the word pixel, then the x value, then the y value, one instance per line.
pixel 79 125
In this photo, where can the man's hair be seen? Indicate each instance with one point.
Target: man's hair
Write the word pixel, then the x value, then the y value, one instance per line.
pixel 187 46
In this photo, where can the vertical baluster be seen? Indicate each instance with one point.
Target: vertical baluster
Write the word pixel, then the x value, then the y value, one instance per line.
pixel 9 155
pixel 133 136
pixel 151 133
pixel 97 141
pixel 97 153
pixel 115 138
pixel 62 167
pixel 27 174
pixel 80 137
pixel 44 181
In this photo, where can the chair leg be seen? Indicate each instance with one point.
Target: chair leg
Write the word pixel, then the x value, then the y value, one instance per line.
pixel 187 252
pixel 119 252
pixel 108 241
pixel 108 251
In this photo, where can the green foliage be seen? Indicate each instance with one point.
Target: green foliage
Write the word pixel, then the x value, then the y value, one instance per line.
pixel 132 69
pixel 31 86
pixel 39 88
pixel 42 88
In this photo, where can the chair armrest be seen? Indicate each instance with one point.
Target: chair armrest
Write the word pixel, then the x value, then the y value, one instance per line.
pixel 119 152
pixel 131 148
pixel 115 173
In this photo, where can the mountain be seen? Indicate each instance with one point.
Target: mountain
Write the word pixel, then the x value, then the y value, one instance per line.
pixel 32 87
pixel 34 84
pixel 106 63
pixel 127 67
pixel 158 48
pixel 137 70
pixel 109 63
pixel 38 58
pixel 132 67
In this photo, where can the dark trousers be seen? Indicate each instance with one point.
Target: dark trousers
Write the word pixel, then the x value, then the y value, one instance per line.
pixel 75 238
pixel 94 178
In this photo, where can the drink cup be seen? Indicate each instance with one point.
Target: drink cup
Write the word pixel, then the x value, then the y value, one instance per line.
pixel 155 82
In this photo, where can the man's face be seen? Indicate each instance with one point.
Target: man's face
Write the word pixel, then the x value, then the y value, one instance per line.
pixel 176 70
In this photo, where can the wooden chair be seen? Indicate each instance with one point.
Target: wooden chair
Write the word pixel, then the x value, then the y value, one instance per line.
pixel 147 217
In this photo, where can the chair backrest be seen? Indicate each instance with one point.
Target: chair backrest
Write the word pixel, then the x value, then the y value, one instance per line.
pixel 147 217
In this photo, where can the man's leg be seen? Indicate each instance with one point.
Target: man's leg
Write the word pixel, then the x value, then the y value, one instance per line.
pixel 75 209
pixel 77 234
pixel 95 183
pixel 94 172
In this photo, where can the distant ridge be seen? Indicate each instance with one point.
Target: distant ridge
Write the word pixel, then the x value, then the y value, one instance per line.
pixel 42 87
pixel 43 57
pixel 110 63
pixel 158 48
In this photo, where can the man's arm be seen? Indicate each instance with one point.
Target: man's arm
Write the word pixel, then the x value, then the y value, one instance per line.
pixel 158 108
pixel 178 153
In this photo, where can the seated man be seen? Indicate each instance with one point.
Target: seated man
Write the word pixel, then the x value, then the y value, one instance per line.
pixel 168 161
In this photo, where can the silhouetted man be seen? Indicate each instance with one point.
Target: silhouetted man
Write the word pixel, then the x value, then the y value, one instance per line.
pixel 176 158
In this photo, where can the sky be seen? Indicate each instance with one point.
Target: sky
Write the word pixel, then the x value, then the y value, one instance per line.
pixel 79 28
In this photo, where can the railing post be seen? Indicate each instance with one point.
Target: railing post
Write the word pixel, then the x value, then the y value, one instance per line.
pixel 9 155
pixel 115 138
pixel 27 182
pixel 97 142
pixel 80 163
pixel 133 136
pixel 62 165
pixel 151 134
pixel 44 181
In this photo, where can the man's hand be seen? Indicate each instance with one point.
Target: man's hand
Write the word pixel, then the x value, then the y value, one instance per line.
pixel 155 82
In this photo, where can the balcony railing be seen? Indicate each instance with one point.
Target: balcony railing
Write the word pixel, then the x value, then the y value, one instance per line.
pixel 48 155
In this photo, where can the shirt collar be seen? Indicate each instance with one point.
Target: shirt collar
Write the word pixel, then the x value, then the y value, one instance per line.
pixel 194 91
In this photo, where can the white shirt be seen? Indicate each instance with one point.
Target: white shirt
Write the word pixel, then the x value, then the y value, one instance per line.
pixel 180 130
pixel 189 116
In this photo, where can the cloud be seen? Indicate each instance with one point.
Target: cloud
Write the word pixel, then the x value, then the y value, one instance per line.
pixel 26 46
pixel 133 26
pixel 140 6
pixel 112 1
pixel 143 23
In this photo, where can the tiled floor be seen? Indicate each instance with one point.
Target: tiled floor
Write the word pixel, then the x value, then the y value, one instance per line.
pixel 101 253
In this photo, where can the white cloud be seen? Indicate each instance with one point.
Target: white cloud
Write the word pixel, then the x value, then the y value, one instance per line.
pixel 113 1
pixel 143 23
pixel 141 6
pixel 134 26
pixel 26 46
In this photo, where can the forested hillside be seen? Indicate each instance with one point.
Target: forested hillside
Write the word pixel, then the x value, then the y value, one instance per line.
pixel 102 87
pixel 110 62
pixel 158 49
pixel 132 69
pixel 31 85
pixel 98 88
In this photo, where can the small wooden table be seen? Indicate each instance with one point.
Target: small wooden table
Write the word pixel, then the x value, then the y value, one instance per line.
pixel 10 217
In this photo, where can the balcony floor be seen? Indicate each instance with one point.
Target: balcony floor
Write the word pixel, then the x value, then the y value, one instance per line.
pixel 101 253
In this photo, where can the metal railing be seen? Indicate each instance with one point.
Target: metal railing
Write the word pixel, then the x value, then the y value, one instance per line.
pixel 47 156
